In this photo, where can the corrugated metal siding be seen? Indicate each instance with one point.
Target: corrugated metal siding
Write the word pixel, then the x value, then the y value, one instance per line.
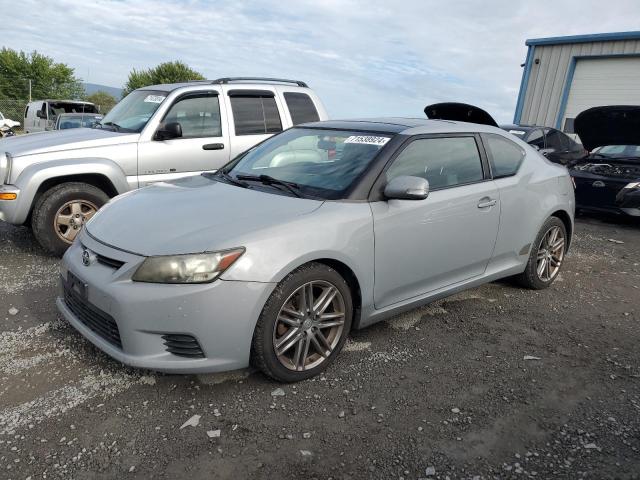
pixel 547 79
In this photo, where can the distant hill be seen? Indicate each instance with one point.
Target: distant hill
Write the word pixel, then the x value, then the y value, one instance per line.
pixel 91 88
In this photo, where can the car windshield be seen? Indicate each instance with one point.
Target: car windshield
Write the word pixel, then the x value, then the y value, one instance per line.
pixel 319 163
pixel 78 121
pixel 133 112
pixel 618 151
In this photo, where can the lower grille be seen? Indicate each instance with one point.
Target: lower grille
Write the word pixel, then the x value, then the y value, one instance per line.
pixel 95 319
pixel 183 345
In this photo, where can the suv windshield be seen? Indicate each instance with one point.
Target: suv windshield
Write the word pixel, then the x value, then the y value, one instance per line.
pixel 618 151
pixel 133 112
pixel 319 163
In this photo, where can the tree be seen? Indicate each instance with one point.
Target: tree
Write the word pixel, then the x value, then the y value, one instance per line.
pixel 102 100
pixel 168 72
pixel 48 79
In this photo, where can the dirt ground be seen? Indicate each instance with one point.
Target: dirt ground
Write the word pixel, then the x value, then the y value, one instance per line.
pixel 496 382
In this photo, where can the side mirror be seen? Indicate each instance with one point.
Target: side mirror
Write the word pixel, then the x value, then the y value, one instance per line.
pixel 169 131
pixel 547 151
pixel 407 188
pixel 41 114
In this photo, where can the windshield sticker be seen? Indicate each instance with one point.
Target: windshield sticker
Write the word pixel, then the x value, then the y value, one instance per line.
pixel 154 98
pixel 517 132
pixel 367 140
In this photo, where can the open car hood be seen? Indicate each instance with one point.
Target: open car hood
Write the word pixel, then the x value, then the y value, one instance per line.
pixel 610 125
pixel 459 112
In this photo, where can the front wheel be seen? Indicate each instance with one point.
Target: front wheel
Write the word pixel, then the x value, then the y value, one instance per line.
pixel 546 256
pixel 304 324
pixel 61 212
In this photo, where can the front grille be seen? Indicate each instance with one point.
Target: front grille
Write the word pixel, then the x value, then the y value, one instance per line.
pixel 183 345
pixel 95 319
pixel 109 262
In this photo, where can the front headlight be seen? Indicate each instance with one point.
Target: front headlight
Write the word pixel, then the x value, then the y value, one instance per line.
pixel 633 185
pixel 191 268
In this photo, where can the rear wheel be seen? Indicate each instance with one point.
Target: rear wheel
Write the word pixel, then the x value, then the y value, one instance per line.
pixel 304 324
pixel 61 212
pixel 546 256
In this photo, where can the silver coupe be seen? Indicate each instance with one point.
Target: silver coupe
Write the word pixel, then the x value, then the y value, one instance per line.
pixel 324 228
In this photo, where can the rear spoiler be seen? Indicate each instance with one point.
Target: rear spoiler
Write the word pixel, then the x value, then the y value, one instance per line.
pixel 460 112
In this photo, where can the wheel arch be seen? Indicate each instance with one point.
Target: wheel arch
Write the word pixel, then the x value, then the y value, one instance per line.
pixel 564 216
pixel 38 178
pixel 344 269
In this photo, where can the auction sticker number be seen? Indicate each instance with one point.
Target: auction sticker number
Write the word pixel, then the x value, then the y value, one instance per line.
pixel 154 98
pixel 367 140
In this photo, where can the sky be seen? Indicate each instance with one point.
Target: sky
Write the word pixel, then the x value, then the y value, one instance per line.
pixel 364 58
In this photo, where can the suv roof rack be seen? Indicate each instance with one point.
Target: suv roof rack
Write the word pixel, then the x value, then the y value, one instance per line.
pixel 259 79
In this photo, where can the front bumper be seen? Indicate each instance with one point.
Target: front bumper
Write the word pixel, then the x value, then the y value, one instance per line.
pixel 221 315
pixel 13 211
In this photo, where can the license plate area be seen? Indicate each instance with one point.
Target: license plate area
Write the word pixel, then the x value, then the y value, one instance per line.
pixel 76 285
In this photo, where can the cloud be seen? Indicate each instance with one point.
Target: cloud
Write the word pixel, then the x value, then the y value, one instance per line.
pixel 364 58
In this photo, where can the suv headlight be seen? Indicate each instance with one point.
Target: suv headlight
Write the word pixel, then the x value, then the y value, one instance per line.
pixel 190 268
pixel 632 185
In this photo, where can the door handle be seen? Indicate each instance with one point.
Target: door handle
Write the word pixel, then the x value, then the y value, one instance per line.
pixel 485 203
pixel 213 146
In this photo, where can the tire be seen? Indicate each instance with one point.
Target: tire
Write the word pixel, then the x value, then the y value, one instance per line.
pixel 60 203
pixel 531 278
pixel 273 328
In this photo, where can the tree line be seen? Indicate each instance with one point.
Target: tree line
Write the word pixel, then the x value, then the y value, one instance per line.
pixel 22 73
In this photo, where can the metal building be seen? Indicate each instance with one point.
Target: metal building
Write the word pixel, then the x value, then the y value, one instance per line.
pixel 565 75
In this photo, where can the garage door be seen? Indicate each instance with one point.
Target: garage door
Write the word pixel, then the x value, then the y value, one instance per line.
pixel 602 81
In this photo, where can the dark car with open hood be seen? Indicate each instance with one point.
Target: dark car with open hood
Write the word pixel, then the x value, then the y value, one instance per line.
pixel 608 179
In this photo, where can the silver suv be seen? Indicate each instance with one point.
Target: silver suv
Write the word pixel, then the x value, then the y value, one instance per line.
pixel 56 181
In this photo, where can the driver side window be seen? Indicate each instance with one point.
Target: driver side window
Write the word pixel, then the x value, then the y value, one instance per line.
pixel 444 162
pixel 198 115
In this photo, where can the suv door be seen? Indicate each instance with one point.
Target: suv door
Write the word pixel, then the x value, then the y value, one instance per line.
pixel 425 245
pixel 204 144
pixel 254 115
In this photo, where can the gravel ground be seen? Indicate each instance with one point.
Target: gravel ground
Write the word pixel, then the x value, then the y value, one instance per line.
pixel 496 382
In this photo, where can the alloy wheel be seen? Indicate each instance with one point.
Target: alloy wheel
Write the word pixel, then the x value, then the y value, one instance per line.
pixel 550 254
pixel 70 218
pixel 309 325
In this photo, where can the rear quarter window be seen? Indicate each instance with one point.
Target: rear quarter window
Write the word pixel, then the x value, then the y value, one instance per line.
pixel 301 108
pixel 504 155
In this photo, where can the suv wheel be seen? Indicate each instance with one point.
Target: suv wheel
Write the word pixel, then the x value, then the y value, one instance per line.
pixel 546 257
pixel 61 211
pixel 303 325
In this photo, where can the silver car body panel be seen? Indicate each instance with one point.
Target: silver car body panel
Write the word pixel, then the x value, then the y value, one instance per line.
pixel 403 253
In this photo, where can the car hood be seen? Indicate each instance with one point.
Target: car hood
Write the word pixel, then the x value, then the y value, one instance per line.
pixel 192 215
pixel 459 112
pixel 610 125
pixel 61 140
pixel 7 122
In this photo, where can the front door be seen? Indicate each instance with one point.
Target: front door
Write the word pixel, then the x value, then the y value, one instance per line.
pixel 204 144
pixel 424 245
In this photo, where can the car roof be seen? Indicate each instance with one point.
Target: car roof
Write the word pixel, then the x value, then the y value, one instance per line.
pixel 170 87
pixel 58 100
pixel 406 126
pixel 524 128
